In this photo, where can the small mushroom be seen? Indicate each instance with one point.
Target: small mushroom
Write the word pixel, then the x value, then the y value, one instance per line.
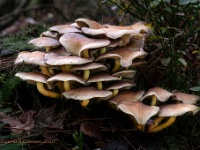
pixel 141 112
pixel 36 57
pixel 171 111
pixel 65 29
pixel 89 66
pixel 65 61
pixel 123 56
pixel 84 22
pixel 129 74
pixel 78 44
pixel 51 34
pixel 157 93
pixel 185 98
pixel 40 80
pixel 46 42
pixel 66 77
pixel 119 85
pixel 101 77
pixel 86 93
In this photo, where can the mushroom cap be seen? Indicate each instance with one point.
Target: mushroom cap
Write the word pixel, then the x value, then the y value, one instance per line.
pixel 86 93
pixel 177 109
pixel 126 95
pixel 130 74
pixel 161 94
pixel 55 59
pixel 76 43
pixel 136 44
pixel 101 77
pixel 84 22
pixel 186 98
pixel 125 54
pixel 36 57
pixel 89 66
pixel 44 42
pixel 51 34
pixel 108 32
pixel 32 77
pixel 66 76
pixel 141 112
pixel 60 51
pixel 120 85
pixel 64 29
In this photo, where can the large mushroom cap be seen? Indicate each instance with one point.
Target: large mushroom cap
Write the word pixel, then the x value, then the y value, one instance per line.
pixel 161 94
pixel 36 57
pixel 66 76
pixel 84 22
pixel 55 59
pixel 32 77
pixel 76 43
pixel 141 112
pixel 186 98
pixel 126 95
pixel 44 42
pixel 86 93
pixel 125 54
pixel 177 109
pixel 64 29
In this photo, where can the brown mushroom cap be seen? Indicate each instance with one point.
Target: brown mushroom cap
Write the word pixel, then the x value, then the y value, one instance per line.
pixel 120 85
pixel 60 51
pixel 126 95
pixel 32 77
pixel 66 76
pixel 54 59
pixel 84 22
pixel 186 98
pixel 141 112
pixel 130 74
pixel 86 93
pixel 89 66
pixel 44 42
pixel 125 54
pixel 64 29
pixel 177 109
pixel 101 77
pixel 36 57
pixel 76 43
pixel 108 32
pixel 161 94
pixel 51 34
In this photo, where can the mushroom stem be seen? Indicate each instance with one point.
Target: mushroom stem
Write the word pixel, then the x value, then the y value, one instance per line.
pixel 45 92
pixel 116 65
pixel 60 86
pixel 85 103
pixel 156 122
pixel 66 68
pixel 115 92
pixel 48 48
pixel 67 85
pixel 169 122
pixel 103 50
pixel 86 74
pixel 141 127
pixel 153 100
pixel 99 85
pixel 45 70
pixel 86 53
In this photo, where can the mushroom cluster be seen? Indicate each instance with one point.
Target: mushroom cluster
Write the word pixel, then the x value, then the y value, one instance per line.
pixel 88 61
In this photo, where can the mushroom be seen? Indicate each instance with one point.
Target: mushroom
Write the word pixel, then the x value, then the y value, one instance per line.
pixel 101 77
pixel 123 56
pixel 51 34
pixel 84 22
pixel 89 66
pixel 65 61
pixel 60 51
pixel 157 93
pixel 119 85
pixel 46 42
pixel 171 111
pixel 141 112
pixel 40 80
pixel 185 98
pixel 65 29
pixel 86 93
pixel 129 74
pixel 36 57
pixel 78 44
pixel 66 78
